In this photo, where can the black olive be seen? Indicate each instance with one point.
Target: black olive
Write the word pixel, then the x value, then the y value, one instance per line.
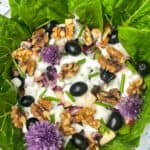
pixel 80 141
pixel 49 27
pixel 30 122
pixel 27 100
pixel 142 67
pixel 115 121
pixel 78 88
pixel 49 72
pixel 51 68
pixel 107 76
pixel 73 48
pixel 113 37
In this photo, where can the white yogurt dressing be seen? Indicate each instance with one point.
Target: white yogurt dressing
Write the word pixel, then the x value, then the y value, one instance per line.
pixel 91 65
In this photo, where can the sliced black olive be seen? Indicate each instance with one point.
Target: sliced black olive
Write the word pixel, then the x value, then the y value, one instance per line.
pixel 80 141
pixel 113 37
pixel 115 121
pixel 73 48
pixel 49 27
pixel 27 100
pixel 30 122
pixel 107 76
pixel 142 68
pixel 78 88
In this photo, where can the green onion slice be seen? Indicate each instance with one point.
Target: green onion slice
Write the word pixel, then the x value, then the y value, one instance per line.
pixel 123 78
pixel 70 96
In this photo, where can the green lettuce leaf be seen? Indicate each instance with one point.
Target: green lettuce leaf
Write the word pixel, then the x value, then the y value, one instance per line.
pixel 141 18
pixel 8 134
pixel 136 42
pixel 34 13
pixel 89 11
pixel 11 34
pixel 118 11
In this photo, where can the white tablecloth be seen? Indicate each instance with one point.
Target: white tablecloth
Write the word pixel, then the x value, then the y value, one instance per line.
pixel 145 137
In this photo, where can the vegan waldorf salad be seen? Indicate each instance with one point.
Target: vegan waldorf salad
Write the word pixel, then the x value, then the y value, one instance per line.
pixel 78 87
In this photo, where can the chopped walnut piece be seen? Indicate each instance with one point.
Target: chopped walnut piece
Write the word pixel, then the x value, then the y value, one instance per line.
pixel 26 60
pixel 116 93
pixel 39 39
pixel 22 55
pixel 115 54
pixel 93 145
pixel 58 32
pixel 23 66
pixel 105 38
pixel 31 66
pixel 64 32
pixel 65 124
pixel 18 117
pixel 135 87
pixel 46 104
pixel 106 64
pixel 69 28
pixel 41 110
pixel 86 115
pixel 96 33
pixel 112 97
pixel 68 70
pixel 87 36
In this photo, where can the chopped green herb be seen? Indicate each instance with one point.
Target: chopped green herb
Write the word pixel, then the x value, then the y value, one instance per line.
pixel 97 54
pixel 81 30
pixel 52 118
pixel 21 73
pixel 103 128
pixel 92 75
pixel 51 98
pixel 103 104
pixel 70 96
pixel 43 93
pixel 131 67
pixel 81 61
pixel 123 78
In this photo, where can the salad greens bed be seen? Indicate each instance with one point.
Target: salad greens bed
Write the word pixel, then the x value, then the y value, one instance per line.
pixel 132 18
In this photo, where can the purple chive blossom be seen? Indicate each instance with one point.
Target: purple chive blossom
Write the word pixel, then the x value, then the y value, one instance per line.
pixel 130 106
pixel 44 136
pixel 50 54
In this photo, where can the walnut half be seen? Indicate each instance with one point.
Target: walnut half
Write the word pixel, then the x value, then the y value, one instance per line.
pixel 112 97
pixel 135 87
pixel 42 109
pixel 65 124
pixel 68 70
pixel 18 117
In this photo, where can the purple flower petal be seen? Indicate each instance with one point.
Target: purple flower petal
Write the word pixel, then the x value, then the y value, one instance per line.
pixel 130 106
pixel 50 54
pixel 44 136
